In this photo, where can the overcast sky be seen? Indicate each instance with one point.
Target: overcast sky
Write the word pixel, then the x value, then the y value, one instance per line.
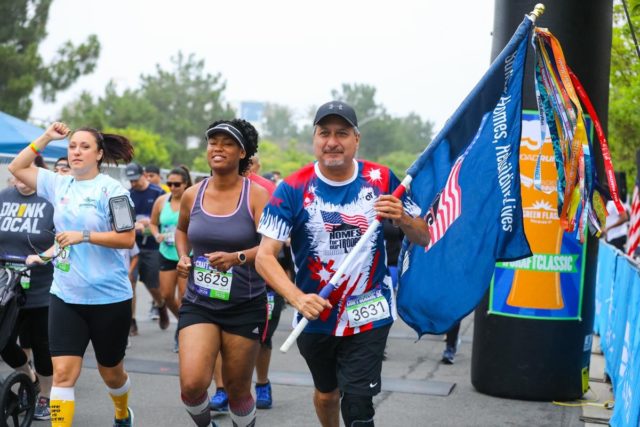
pixel 422 56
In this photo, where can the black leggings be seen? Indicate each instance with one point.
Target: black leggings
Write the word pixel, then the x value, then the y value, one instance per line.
pixel 31 322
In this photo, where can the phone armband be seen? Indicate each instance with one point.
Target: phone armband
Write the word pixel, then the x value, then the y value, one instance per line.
pixel 121 212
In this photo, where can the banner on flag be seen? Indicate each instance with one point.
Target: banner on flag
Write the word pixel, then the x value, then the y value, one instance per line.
pixel 467 183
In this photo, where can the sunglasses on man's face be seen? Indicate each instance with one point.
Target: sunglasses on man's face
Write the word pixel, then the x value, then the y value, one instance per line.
pixel 62 166
pixel 174 184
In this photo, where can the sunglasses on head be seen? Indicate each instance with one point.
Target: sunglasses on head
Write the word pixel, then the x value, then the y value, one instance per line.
pixel 174 184
pixel 61 166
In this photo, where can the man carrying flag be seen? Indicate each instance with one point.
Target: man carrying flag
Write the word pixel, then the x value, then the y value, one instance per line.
pixel 467 183
pixel 326 207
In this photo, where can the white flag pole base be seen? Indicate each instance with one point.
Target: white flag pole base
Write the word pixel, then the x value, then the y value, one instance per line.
pixel 293 336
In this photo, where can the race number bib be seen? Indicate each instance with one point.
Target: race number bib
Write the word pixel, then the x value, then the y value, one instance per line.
pixel 25 278
pixel 211 282
pixel 169 233
pixel 367 308
pixel 63 261
pixel 271 303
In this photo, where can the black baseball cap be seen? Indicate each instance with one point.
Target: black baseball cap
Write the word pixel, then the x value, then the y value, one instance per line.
pixel 133 171
pixel 337 108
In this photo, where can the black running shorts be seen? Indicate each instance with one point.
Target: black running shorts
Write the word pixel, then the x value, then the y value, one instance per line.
pixel 247 319
pixel 72 326
pixel 167 264
pixel 352 364
pixel 147 268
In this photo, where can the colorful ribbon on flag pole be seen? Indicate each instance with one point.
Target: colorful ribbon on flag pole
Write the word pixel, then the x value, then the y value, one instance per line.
pixel 559 95
pixel 604 145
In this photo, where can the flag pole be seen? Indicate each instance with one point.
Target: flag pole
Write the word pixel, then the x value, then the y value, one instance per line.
pixel 398 192
pixel 333 282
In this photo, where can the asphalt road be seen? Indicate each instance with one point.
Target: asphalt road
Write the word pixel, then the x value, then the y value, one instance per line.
pixel 418 390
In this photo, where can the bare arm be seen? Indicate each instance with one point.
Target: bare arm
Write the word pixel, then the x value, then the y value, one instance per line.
pixel 108 239
pixel 22 165
pixel 309 305
pixel 416 229
pixel 182 243
pixel 154 224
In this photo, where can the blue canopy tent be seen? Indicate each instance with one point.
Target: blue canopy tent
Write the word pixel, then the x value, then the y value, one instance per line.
pixel 16 134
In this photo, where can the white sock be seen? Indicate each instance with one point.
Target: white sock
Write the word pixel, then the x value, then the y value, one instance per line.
pixel 62 393
pixel 120 390
pixel 248 420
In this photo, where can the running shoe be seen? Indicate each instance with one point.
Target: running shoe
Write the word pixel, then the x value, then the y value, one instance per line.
pixel 42 409
pixel 220 401
pixel 264 399
pixel 154 313
pixel 164 317
pixel 127 422
pixel 449 355
pixel 133 329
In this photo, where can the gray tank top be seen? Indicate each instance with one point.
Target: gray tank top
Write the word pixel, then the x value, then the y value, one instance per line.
pixel 227 233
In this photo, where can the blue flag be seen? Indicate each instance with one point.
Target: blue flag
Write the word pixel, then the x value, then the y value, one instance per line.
pixel 467 183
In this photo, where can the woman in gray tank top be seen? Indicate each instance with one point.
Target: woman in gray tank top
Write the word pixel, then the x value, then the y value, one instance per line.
pixel 225 307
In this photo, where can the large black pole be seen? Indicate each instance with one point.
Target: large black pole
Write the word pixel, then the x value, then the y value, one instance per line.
pixel 546 359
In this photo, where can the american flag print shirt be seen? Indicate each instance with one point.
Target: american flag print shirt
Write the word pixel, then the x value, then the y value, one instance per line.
pixel 325 219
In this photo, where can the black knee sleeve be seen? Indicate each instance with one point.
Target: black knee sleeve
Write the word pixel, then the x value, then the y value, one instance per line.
pixel 357 410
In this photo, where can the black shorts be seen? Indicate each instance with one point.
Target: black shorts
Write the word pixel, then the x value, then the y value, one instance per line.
pixel 278 305
pixel 72 326
pixel 352 364
pixel 167 264
pixel 148 267
pixel 248 319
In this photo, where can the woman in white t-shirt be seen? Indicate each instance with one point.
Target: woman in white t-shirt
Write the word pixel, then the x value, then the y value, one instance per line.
pixel 91 293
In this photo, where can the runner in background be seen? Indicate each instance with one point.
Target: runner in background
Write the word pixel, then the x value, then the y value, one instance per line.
pixel 144 194
pixel 131 263
pixel 452 342
pixel 61 166
pixel 25 338
pixel 29 230
pixel 164 220
pixel 225 306
pixel 91 296
pixel 152 172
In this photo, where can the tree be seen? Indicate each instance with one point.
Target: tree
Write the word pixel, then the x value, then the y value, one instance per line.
pixel 398 161
pixel 381 133
pixel 624 120
pixel 22 29
pixel 361 98
pixel 279 123
pixel 177 104
pixel 273 158
pixel 186 98
pixel 147 146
